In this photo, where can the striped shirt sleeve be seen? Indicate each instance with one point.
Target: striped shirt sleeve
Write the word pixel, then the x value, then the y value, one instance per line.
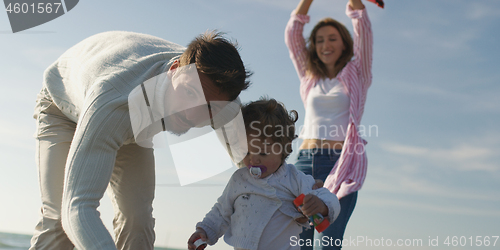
pixel 350 170
pixel 363 46
pixel 296 43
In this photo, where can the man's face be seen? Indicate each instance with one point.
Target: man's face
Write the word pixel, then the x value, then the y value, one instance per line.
pixel 195 99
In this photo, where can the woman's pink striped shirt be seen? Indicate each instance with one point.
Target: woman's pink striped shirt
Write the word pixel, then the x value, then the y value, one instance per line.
pixel 349 172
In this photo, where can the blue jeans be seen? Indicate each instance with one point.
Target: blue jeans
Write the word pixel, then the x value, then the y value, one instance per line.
pixel 318 163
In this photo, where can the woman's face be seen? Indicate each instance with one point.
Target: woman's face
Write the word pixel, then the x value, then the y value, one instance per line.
pixel 329 45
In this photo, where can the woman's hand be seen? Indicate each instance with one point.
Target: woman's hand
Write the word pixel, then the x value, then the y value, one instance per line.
pixel 356 4
pixel 303 7
pixel 199 233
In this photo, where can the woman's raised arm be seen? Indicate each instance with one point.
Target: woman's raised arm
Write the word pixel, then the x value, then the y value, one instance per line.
pixel 303 7
pixel 356 4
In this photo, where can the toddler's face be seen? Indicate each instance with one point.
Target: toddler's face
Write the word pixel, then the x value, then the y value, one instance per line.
pixel 263 153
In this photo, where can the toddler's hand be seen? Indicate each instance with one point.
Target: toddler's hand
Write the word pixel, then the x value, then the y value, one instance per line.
pixel 313 205
pixel 199 233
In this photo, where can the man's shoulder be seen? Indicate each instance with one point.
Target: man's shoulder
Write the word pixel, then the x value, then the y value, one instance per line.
pixel 121 33
pixel 121 38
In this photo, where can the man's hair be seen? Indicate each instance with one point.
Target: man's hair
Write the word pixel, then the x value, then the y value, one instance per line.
pixel 314 65
pixel 268 118
pixel 219 59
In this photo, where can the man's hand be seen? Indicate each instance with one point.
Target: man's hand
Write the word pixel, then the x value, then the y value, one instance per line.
pixel 318 184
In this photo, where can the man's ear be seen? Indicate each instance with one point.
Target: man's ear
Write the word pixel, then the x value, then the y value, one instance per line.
pixel 174 65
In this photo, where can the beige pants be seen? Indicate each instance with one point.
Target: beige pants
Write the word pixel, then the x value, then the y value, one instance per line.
pixel 79 162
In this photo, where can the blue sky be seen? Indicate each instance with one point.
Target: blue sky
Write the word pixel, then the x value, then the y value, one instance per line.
pixel 433 160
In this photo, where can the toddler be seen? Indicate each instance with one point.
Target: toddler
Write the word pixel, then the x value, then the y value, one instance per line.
pixel 256 209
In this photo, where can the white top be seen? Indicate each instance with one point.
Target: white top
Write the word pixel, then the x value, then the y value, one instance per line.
pixel 258 214
pixel 327 111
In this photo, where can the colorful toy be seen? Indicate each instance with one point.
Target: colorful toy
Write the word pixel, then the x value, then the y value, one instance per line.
pixel 319 222
pixel 379 3
pixel 200 244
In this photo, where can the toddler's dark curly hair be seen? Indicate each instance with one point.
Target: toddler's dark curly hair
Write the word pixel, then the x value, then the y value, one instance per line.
pixel 268 118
